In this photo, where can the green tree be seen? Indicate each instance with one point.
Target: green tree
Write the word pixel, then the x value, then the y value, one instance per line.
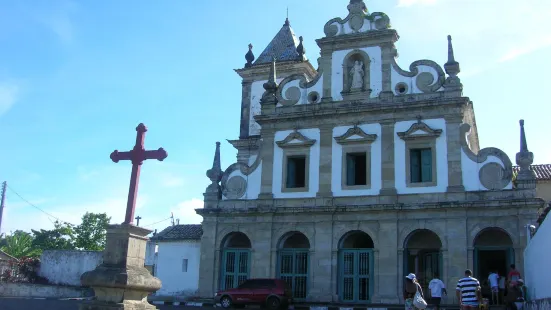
pixel 20 244
pixel 91 233
pixel 60 238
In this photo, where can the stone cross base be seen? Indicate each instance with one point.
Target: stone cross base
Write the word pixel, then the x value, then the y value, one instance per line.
pixel 122 282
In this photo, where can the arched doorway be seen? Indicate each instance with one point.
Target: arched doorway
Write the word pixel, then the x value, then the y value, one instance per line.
pixel 293 261
pixel 236 258
pixel 355 267
pixel 423 256
pixel 493 251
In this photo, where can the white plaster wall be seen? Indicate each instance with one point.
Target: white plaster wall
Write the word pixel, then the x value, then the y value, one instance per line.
pixel 253 181
pixel 376 71
pixel 65 267
pixel 318 87
pixel 470 172
pixel 150 251
pixel 375 168
pixel 441 159
pixel 257 89
pixel 313 181
pixel 411 81
pixel 536 263
pixel 169 267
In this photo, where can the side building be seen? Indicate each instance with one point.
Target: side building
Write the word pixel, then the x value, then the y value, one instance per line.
pixel 352 175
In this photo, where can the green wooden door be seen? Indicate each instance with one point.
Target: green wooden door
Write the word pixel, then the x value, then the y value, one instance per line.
pixel 235 267
pixel 355 275
pixel 293 268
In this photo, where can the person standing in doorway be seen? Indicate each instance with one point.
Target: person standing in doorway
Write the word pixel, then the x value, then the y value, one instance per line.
pixel 436 288
pixel 502 291
pixel 493 278
pixel 513 276
pixel 468 291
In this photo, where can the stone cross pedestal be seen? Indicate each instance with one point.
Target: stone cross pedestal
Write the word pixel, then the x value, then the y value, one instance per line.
pixel 122 282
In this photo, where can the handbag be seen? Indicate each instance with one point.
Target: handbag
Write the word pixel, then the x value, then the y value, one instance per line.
pixel 418 300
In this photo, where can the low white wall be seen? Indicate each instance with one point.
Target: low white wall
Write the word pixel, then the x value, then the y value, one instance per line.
pixel 42 291
pixel 177 282
pixel 536 263
pixel 65 267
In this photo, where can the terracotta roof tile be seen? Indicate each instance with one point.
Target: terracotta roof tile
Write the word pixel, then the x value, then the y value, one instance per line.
pixel 543 172
pixel 180 232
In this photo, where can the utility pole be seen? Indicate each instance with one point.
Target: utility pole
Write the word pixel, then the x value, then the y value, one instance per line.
pixel 2 202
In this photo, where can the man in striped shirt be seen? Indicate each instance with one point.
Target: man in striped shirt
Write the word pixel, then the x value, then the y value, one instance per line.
pixel 468 290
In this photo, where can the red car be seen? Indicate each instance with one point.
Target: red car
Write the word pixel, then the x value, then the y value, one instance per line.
pixel 273 293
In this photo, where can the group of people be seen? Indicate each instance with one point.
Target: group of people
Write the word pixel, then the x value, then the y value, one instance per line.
pixel 469 291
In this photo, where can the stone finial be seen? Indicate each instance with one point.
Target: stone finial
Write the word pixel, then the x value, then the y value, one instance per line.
pixel 215 175
pixel 526 177
pixel 269 96
pixel 453 83
pixel 357 6
pixel 249 57
pixel 301 50
pixel 287 23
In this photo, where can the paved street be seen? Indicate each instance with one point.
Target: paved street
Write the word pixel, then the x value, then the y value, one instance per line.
pixel 37 304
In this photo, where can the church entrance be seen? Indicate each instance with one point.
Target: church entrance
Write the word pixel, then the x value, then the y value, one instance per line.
pixel 423 256
pixel 493 251
pixel 293 258
pixel 355 267
pixel 236 258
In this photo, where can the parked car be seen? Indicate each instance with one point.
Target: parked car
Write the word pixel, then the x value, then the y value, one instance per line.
pixel 272 293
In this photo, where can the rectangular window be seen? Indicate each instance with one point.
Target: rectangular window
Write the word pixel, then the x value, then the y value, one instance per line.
pixel 296 172
pixel 420 165
pixel 356 169
pixel 184 265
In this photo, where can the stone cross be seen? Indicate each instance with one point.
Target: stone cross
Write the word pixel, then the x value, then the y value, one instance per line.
pixel 137 155
pixel 138 218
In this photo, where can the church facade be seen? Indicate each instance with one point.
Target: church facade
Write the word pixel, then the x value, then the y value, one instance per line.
pixel 353 174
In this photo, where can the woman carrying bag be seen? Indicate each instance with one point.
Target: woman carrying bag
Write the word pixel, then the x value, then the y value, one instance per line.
pixel 413 294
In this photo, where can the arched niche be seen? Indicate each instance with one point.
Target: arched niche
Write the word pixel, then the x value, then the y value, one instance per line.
pixel 348 64
pixel 356 240
pixel 423 239
pixel 294 240
pixel 236 240
pixel 423 256
pixel 356 267
pixel 293 263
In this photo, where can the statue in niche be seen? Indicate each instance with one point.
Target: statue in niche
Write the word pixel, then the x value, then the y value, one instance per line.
pixel 357 75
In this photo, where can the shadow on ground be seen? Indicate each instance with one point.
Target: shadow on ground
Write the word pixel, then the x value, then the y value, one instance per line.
pixel 37 304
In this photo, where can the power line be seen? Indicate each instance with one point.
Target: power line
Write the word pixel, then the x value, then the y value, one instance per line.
pixel 168 218
pixel 32 205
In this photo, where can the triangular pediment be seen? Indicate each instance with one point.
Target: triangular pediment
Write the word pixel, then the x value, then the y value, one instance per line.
pixel 420 130
pixel 355 135
pixel 295 140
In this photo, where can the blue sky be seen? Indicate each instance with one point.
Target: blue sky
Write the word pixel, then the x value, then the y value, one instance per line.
pixel 77 77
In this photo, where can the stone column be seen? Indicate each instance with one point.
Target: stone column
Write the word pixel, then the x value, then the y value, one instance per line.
pixel 210 254
pixel 326 155
pixel 245 108
pixel 334 275
pixel 321 263
pixel 387 261
pixel 457 247
pixel 455 174
pixel 122 282
pixel 262 252
pixel 326 65
pixel 387 158
pixel 267 153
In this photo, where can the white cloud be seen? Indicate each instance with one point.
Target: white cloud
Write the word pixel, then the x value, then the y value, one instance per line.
pixel 405 3
pixel 185 211
pixel 8 96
